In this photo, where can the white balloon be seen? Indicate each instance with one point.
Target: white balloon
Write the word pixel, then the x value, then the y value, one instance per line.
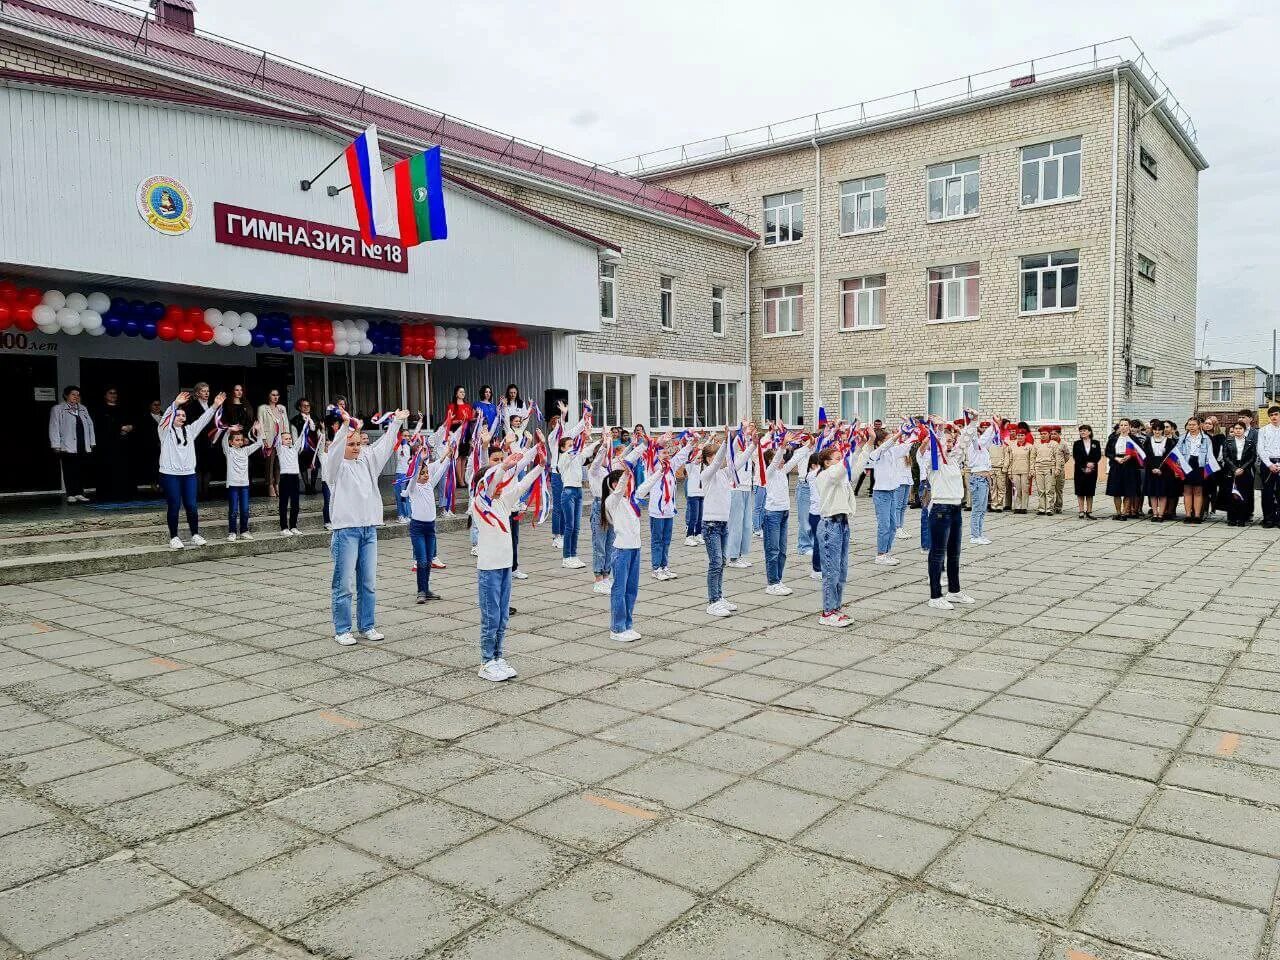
pixel 77 302
pixel 439 333
pixel 341 348
pixel 45 316
pixel 68 318
pixel 96 331
pixel 73 331
pixel 464 342
pixel 99 303
pixel 362 325
pixel 231 320
pixel 213 317
pixel 91 320
pixel 366 347
pixel 249 321
pixel 451 353
pixel 50 328
pixel 222 336
pixel 464 354
pixel 241 337
pixel 55 299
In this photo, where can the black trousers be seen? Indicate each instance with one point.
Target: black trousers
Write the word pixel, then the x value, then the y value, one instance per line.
pixel 309 469
pixel 1270 495
pixel 1239 509
pixel 73 473
pixel 289 490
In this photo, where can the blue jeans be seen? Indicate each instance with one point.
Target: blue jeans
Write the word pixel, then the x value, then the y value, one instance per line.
pixel 660 541
pixel 758 496
pixel 601 543
pixel 804 542
pixel 557 491
pixel 815 558
pixel 945 522
pixel 422 535
pixel 237 509
pixel 775 544
pixel 901 496
pixel 626 587
pixel 886 504
pixel 739 529
pixel 495 606
pixel 693 516
pixel 833 541
pixel 355 563
pixel 402 502
pixel 180 491
pixel 980 495
pixel 570 519
pixel 324 489
pixel 714 535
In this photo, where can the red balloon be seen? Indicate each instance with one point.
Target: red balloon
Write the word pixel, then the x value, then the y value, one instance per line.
pixel 23 320
pixel 6 316
pixel 176 316
pixel 166 330
pixel 204 333
pixel 8 290
pixel 186 334
pixel 30 297
pixel 326 347
pixel 301 346
pixel 196 316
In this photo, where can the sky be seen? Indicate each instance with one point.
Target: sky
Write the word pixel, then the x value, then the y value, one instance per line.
pixel 606 81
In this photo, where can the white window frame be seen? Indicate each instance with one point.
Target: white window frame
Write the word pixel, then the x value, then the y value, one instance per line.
pixel 786 209
pixel 1220 390
pixel 1052 166
pixel 667 303
pixel 717 311
pixel 788 393
pixel 954 400
pixel 948 278
pixel 853 193
pixel 867 296
pixel 1042 377
pixel 613 387
pixel 790 296
pixel 1144 375
pixel 1146 267
pixel 1049 276
pixel 609 282
pixel 859 399
pixel 714 403
pixel 949 177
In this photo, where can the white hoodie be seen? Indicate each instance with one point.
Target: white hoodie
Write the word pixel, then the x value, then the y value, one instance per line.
pixel 178 444
pixel 354 498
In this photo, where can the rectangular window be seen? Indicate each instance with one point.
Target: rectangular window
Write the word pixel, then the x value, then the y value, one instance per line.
pixel 862 205
pixel 783 218
pixel 784 309
pixel 1147 268
pixel 863 398
pixel 667 303
pixel 608 288
pixel 610 396
pixel 1147 162
pixel 1050 282
pixel 953 189
pixel 676 404
pixel 951 392
pixel 1220 390
pixel 784 400
pixel 1048 394
pixel 953 293
pixel 1051 172
pixel 717 311
pixel 1144 376
pixel 862 302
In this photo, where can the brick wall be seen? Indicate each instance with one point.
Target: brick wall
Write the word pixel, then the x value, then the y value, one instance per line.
pixel 32 60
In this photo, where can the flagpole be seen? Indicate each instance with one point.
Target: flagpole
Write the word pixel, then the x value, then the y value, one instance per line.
pixel 306 184
pixel 334 191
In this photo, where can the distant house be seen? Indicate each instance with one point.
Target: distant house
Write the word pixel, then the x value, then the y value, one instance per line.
pixel 1229 387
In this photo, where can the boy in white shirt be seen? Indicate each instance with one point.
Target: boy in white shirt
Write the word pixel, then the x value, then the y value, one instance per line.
pixel 237 454
pixel 289 485
pixel 422 513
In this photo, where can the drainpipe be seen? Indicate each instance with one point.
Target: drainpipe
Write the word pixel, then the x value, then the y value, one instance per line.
pixel 817 277
pixel 1115 188
pixel 748 391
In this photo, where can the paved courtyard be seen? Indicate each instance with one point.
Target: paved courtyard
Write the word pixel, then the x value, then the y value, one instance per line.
pixel 1085 765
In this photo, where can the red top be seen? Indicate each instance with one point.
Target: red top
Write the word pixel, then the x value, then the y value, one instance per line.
pixel 461 412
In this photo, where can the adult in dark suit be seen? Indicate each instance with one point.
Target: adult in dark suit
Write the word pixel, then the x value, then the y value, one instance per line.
pixel 307 462
pixel 1235 491
pixel 1086 453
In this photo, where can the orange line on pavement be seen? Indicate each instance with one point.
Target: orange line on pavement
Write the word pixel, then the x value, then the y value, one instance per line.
pixel 41 627
pixel 1080 955
pixel 340 720
pixel 1228 744
pixel 166 663
pixel 618 807
pixel 719 656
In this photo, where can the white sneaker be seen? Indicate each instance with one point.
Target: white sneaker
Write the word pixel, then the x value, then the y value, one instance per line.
pixel 295 531
pixel 572 563
pixel 286 533
pixel 633 634
pixel 834 619
pixel 557 541
pixel 781 590
pixel 690 541
pixel 702 541
pixel 231 538
pixel 719 609
pixel 960 598
pixel 372 634
pixel 493 672
pixel 733 607
pixel 739 564
pixel 176 544
pixel 657 574
pixel 886 560
pixel 980 541
pixel 197 540
pixel 246 535
pixel 73 499
pixel 670 575
pixel 624 637
pixel 475 551
pixel 940 603
pixel 510 670
pixel 328 526
pixel 438 564
pixel 345 639
pixel 519 575
pixel 815 575
pixel 771 589
pixel 602 586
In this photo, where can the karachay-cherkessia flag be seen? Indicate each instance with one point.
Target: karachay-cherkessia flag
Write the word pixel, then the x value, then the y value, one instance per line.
pixel 420 198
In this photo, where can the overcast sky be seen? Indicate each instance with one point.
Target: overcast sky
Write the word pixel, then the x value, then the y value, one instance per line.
pixel 608 80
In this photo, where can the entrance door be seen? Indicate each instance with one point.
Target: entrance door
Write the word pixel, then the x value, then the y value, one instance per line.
pixel 138 384
pixel 28 391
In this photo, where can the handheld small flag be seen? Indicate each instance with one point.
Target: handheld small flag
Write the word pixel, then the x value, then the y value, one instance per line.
pixel 368 185
pixel 1178 464
pixel 1127 448
pixel 420 198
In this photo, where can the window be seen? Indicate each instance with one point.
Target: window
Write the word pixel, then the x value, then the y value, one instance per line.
pixel 608 291
pixel 1220 390
pixel 784 309
pixel 691 404
pixel 1050 282
pixel 610 396
pixel 862 205
pixel 951 392
pixel 1147 162
pixel 1144 376
pixel 1051 172
pixel 717 311
pixel 1048 394
pixel 862 398
pixel 862 302
pixel 953 293
pixel 1147 268
pixel 784 400
pixel 953 189
pixel 667 303
pixel 783 218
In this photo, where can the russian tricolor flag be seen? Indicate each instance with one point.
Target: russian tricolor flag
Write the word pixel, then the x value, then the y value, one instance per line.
pixel 1178 464
pixel 369 186
pixel 1128 448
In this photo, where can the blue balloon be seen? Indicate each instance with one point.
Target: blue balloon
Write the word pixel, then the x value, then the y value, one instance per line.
pixel 148 331
pixel 155 310
pixel 131 328
pixel 259 339
pixel 273 341
pixel 113 329
pixel 286 344
pixel 137 310
pixel 119 306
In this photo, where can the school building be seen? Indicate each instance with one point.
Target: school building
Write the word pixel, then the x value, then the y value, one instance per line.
pixel 1022 240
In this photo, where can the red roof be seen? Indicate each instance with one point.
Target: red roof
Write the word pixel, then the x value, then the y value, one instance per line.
pixel 211 58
